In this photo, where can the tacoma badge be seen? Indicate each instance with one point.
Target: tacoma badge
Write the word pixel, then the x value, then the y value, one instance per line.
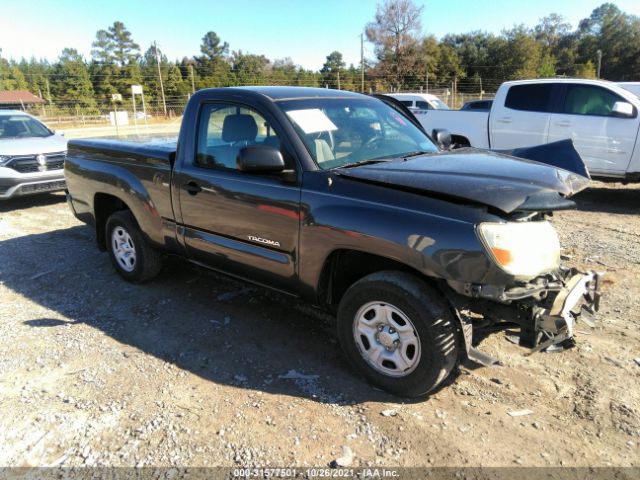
pixel 266 241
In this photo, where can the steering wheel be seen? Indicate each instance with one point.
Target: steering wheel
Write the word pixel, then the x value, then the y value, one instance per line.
pixel 372 143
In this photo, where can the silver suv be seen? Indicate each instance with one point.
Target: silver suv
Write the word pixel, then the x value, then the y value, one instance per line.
pixel 31 156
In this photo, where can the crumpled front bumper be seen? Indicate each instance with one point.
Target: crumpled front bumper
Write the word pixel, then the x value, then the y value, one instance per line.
pixel 578 300
pixel 546 311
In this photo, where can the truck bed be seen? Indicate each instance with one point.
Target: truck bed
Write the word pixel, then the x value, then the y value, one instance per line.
pixel 140 165
pixel 142 148
pixel 473 125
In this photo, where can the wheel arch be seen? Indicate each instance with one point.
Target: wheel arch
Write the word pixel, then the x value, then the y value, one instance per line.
pixel 104 205
pixel 344 267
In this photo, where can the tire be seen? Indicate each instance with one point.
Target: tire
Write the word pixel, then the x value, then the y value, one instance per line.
pixel 422 356
pixel 123 236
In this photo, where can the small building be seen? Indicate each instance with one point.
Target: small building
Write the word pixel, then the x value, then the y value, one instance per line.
pixel 18 100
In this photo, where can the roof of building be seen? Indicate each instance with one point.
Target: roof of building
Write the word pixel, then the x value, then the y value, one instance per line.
pixel 15 97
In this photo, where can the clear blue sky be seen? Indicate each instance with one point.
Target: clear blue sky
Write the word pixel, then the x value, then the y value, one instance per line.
pixel 305 30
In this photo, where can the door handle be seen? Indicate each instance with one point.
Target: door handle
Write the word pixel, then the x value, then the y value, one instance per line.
pixel 504 120
pixel 192 188
pixel 564 123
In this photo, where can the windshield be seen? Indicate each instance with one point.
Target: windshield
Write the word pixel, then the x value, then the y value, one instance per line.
pixel 440 105
pixel 22 126
pixel 343 131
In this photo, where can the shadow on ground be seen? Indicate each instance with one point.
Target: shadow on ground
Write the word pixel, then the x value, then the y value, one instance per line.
pixel 609 199
pixel 30 201
pixel 223 330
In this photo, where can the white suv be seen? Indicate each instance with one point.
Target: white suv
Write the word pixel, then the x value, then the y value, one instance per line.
pixel 31 156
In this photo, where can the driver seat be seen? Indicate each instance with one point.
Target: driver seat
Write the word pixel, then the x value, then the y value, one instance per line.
pixel 323 151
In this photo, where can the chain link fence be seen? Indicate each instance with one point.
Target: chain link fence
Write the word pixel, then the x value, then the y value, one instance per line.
pixel 65 115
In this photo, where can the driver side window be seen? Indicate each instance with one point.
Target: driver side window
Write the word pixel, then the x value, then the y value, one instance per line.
pixel 225 129
pixel 590 100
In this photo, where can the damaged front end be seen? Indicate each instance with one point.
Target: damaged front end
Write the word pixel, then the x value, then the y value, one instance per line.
pixel 546 306
pixel 546 309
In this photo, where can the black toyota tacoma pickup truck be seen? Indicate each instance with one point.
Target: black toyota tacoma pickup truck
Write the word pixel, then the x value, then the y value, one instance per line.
pixel 344 200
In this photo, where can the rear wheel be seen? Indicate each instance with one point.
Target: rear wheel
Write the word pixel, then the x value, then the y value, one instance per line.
pixel 398 332
pixel 131 255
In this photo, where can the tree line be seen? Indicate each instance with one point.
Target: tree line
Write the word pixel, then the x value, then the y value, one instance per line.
pixel 404 58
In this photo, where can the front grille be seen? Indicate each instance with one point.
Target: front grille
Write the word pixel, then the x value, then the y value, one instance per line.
pixel 29 163
pixel 43 187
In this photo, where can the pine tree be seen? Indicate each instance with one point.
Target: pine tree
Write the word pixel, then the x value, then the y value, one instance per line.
pixel 71 86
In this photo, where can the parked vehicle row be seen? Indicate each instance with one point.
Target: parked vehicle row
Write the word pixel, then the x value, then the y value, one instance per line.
pixel 343 200
pixel 601 118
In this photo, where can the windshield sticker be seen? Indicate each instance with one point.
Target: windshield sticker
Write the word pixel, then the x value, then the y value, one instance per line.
pixel 312 120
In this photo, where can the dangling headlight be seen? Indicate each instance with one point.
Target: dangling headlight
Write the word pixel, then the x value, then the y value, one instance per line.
pixel 525 249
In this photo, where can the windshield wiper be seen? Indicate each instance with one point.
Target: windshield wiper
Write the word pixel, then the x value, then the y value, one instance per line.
pixel 365 162
pixel 387 158
pixel 415 154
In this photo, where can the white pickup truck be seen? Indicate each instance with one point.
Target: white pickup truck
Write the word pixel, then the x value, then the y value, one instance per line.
pixel 600 117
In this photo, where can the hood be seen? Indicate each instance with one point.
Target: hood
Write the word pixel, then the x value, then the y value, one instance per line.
pixel 32 145
pixel 483 177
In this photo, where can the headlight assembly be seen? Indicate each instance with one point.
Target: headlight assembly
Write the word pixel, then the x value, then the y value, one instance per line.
pixel 525 249
pixel 4 159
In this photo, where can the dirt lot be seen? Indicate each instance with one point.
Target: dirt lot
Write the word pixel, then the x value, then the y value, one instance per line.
pixel 195 369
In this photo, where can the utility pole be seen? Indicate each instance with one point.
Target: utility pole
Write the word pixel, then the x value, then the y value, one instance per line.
pixel 455 91
pixel 44 111
pixel 362 63
pixel 427 81
pixel 164 103
pixel 193 83
pixel 339 80
pixel 48 92
pixel 599 53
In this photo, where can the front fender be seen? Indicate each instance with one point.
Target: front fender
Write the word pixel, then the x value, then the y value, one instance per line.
pixel 434 244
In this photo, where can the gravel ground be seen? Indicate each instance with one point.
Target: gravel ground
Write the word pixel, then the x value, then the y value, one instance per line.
pixel 195 369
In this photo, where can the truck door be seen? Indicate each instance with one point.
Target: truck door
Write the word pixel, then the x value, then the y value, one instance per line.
pixel 604 140
pixel 522 118
pixel 242 223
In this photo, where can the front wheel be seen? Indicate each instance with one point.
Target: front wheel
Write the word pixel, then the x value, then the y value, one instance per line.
pixel 131 255
pixel 398 332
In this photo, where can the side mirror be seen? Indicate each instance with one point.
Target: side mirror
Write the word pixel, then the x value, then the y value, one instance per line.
pixel 260 159
pixel 442 137
pixel 623 109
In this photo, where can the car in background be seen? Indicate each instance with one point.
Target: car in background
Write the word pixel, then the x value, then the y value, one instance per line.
pixel 419 101
pixel 478 105
pixel 31 156
pixel 633 87
pixel 601 118
pixel 142 116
